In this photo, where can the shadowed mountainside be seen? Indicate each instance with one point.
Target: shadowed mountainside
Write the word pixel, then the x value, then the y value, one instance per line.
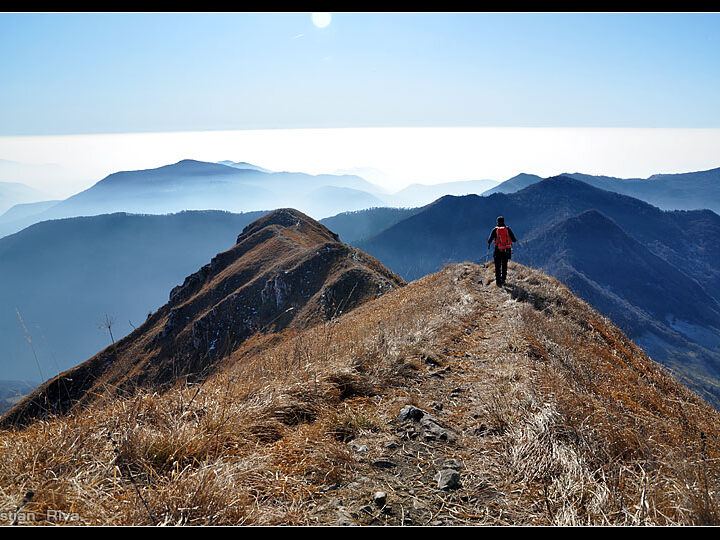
pixel 671 316
pixel 356 226
pixel 656 273
pixel 456 228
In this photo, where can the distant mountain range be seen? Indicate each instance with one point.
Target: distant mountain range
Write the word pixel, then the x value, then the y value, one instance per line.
pixel 655 273
pixel 244 165
pixel 196 185
pixel 685 191
pixel 19 216
pixel 242 187
pixel 229 186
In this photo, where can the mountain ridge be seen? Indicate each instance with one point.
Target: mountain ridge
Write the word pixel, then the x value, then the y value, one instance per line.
pixel 447 401
pixel 670 191
pixel 285 270
pixel 197 185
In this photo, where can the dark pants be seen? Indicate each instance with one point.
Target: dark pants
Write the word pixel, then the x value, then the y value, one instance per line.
pixel 501 260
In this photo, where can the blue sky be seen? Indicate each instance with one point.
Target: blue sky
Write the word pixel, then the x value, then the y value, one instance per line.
pixel 125 73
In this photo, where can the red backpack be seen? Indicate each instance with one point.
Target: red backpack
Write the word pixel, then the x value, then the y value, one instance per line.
pixel 502 238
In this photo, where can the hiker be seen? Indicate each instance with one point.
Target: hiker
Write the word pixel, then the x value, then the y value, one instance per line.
pixel 503 237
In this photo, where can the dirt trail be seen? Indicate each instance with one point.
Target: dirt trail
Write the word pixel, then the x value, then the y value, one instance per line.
pixel 468 366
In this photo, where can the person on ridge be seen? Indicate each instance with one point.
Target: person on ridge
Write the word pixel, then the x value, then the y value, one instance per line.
pixel 503 237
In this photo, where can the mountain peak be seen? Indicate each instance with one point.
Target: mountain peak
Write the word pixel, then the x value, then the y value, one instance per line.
pixel 285 271
pixel 290 218
pixel 559 183
pixel 183 168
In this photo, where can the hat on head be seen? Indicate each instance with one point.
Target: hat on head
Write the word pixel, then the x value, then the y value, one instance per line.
pixel 500 220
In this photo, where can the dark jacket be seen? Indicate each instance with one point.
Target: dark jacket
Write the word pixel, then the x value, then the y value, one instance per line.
pixel 493 235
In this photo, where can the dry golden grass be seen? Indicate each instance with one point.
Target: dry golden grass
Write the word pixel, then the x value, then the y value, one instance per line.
pixel 617 440
pixel 559 420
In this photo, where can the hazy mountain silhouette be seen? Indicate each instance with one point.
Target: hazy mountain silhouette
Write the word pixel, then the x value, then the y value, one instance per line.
pixel 196 185
pixel 421 194
pixel 64 276
pixel 684 191
pixel 354 226
pixel 285 271
pixel 23 210
pixel 244 165
pixel 23 215
pixel 12 193
pixel 319 200
pixel 516 183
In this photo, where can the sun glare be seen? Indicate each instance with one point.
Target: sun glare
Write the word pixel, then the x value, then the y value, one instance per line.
pixel 321 20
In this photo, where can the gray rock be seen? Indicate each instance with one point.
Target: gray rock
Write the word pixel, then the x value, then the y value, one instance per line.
pixel 380 498
pixel 408 412
pixel 453 464
pixel 344 520
pixel 434 430
pixel 432 361
pixel 448 479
